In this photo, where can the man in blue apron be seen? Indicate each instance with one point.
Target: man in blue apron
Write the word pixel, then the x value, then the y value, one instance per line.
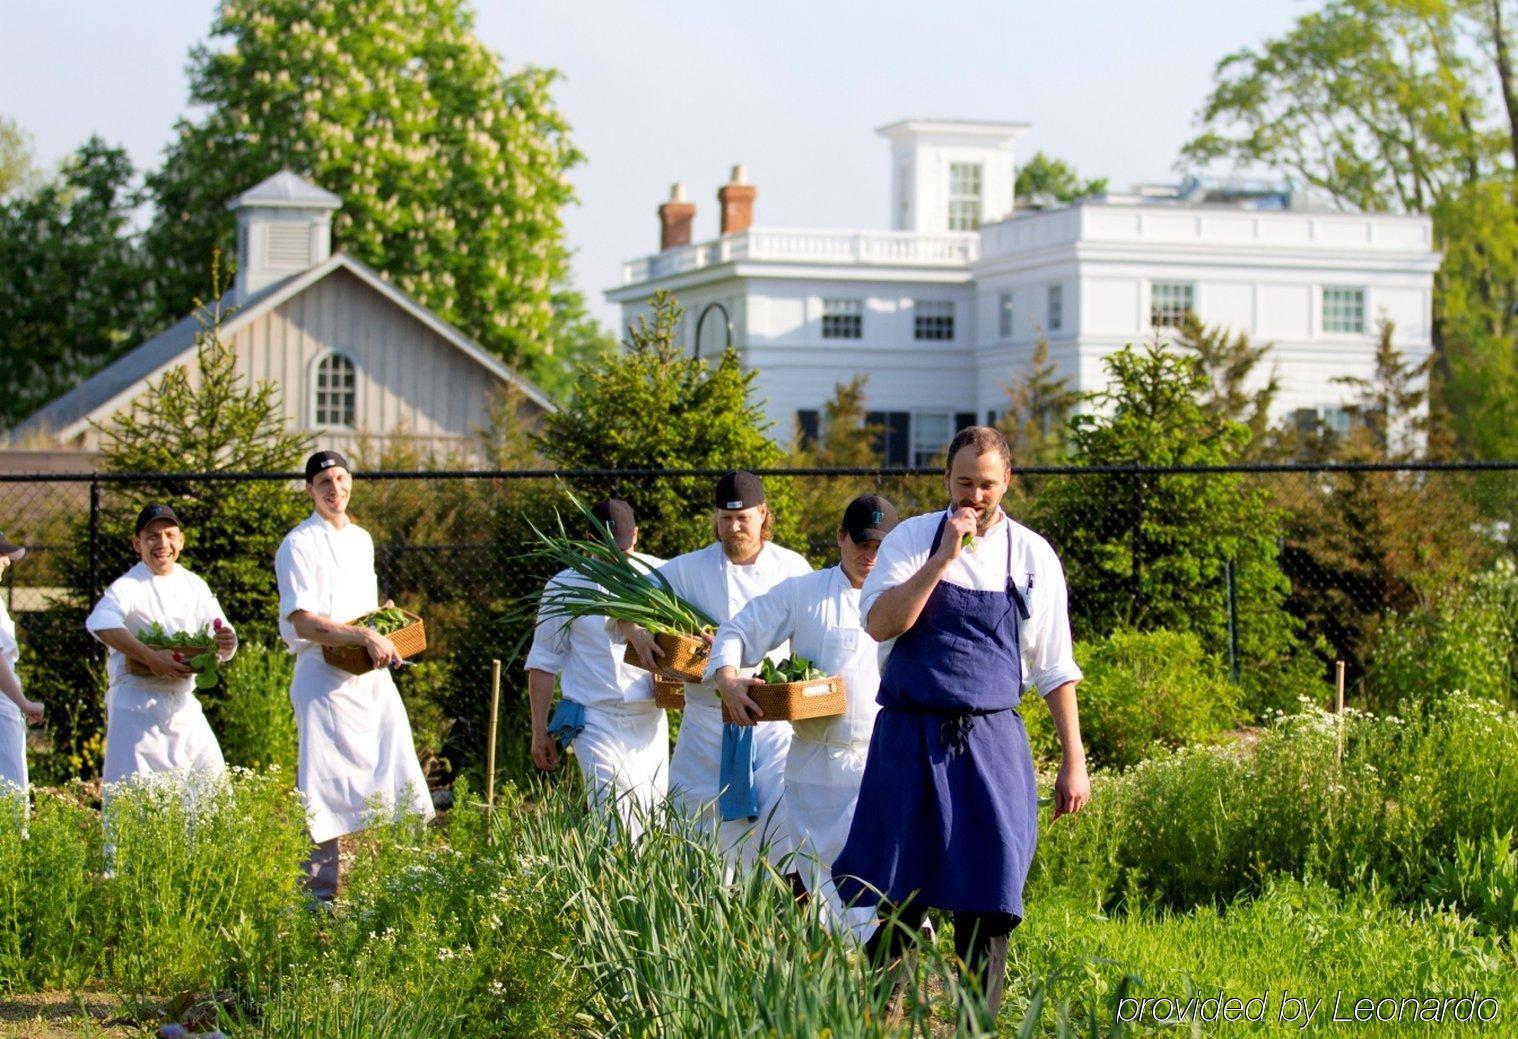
pixel 970 609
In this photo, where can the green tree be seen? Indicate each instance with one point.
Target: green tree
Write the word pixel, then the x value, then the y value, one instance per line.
pixel 17 169
pixel 70 278
pixel 1151 550
pixel 655 407
pixel 1407 105
pixel 1044 177
pixel 1039 404
pixel 847 440
pixel 1227 361
pixel 453 176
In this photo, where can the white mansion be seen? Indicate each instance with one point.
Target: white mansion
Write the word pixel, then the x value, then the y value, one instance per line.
pixel 942 311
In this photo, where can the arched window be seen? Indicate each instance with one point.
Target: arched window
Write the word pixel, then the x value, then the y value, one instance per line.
pixel 334 392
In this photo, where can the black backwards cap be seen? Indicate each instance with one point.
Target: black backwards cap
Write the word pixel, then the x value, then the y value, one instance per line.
pixel 324 460
pixel 153 513
pixel 739 489
pixel 10 548
pixel 617 516
pixel 869 517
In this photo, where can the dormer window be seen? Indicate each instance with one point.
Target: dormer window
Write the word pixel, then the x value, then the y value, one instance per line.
pixel 334 392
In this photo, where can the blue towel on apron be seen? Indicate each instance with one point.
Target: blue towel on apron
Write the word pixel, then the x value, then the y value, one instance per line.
pixel 738 799
pixel 568 722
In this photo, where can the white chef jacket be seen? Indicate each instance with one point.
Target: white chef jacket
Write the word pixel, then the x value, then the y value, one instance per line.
pixel 12 723
pixel 1047 653
pixel 818 614
pixel 709 580
pixel 178 601
pixel 584 655
pixel 357 758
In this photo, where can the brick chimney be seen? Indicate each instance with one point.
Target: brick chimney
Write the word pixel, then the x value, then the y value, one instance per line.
pixel 737 200
pixel 675 218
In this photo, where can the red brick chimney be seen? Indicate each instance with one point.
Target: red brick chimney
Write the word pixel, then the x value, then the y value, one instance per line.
pixel 675 218
pixel 737 200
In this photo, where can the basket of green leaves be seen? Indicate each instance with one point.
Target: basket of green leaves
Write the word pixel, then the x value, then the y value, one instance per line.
pixel 793 690
pixel 615 585
pixel 404 629
pixel 197 649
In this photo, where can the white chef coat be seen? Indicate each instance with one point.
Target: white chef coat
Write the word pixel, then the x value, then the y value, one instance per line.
pixel 623 752
pixel 12 721
pixel 155 725
pixel 708 580
pixel 357 756
pixel 1047 652
pixel 819 614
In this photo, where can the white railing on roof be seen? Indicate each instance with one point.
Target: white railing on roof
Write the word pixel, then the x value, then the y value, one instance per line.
pixel 881 248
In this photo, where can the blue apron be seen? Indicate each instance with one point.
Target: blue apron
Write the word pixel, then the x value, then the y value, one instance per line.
pixel 947 812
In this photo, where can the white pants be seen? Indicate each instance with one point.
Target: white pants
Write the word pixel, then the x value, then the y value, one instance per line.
pixel 821 790
pixel 12 747
pixel 693 772
pixel 357 760
pixel 624 756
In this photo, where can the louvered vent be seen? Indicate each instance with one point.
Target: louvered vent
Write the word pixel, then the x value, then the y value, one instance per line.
pixel 288 245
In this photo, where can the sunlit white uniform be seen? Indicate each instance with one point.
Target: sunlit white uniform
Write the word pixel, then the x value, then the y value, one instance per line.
pixel 708 580
pixel 155 725
pixel 12 721
pixel 357 758
pixel 819 614
pixel 623 750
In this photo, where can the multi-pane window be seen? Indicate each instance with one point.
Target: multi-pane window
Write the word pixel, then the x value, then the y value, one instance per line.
pixel 1056 307
pixel 336 392
pixel 964 196
pixel 1343 310
pixel 931 432
pixel 933 319
pixel 842 319
pixel 1170 302
pixel 1004 315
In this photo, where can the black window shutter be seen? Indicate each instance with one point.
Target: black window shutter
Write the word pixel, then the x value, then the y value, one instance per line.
pixel 964 420
pixel 899 441
pixel 807 424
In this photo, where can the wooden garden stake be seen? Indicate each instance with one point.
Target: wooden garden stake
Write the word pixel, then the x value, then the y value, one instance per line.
pixel 495 710
pixel 1339 707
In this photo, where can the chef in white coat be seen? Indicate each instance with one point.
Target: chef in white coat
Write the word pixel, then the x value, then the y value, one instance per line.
pixel 154 723
pixel 15 708
pixel 818 613
pixel 720 579
pixel 606 708
pixel 356 752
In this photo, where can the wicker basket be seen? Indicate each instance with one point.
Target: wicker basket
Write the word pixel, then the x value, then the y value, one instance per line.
pixel 134 668
pixel 669 695
pixel 409 641
pixel 794 701
pixel 684 659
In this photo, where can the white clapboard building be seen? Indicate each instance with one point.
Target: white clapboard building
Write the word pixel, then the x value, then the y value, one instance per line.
pixel 942 310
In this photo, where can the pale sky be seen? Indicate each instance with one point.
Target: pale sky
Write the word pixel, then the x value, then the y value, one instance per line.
pixel 683 90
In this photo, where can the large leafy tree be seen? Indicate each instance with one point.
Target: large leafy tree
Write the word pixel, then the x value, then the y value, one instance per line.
pixel 1412 106
pixel 1152 550
pixel 452 174
pixel 17 169
pixel 70 279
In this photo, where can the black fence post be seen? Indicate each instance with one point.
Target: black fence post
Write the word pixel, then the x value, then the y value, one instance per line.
pixel 94 539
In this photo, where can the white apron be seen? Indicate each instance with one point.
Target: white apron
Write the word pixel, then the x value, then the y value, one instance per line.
pixel 624 757
pixel 12 722
pixel 357 760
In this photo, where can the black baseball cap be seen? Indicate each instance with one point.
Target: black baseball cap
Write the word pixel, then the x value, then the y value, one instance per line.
pixel 324 460
pixel 10 549
pixel 739 489
pixel 618 518
pixel 154 513
pixel 869 517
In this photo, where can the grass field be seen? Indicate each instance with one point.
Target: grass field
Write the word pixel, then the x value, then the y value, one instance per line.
pixel 538 924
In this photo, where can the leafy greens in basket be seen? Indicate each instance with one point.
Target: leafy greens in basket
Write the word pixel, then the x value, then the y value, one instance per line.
pixel 205 663
pixel 792 669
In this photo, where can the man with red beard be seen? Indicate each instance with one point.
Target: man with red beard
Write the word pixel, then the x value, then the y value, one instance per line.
pixel 720 579
pixel 970 608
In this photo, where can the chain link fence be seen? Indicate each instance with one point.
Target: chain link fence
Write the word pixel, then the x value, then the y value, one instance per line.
pixel 1324 553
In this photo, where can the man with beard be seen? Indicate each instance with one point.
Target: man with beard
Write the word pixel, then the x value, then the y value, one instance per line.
pixel 970 608
pixel 356 753
pixel 720 579
pixel 818 614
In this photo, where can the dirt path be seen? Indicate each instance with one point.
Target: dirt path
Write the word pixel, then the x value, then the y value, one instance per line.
pixel 61 1015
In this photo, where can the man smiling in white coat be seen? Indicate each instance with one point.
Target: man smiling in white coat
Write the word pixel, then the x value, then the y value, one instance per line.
pixel 721 578
pixel 818 614
pixel 356 752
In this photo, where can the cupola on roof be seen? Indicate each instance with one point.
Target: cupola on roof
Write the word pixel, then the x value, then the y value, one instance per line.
pixel 286 189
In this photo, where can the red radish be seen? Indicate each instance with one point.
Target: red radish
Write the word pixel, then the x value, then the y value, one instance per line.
pixel 216 624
